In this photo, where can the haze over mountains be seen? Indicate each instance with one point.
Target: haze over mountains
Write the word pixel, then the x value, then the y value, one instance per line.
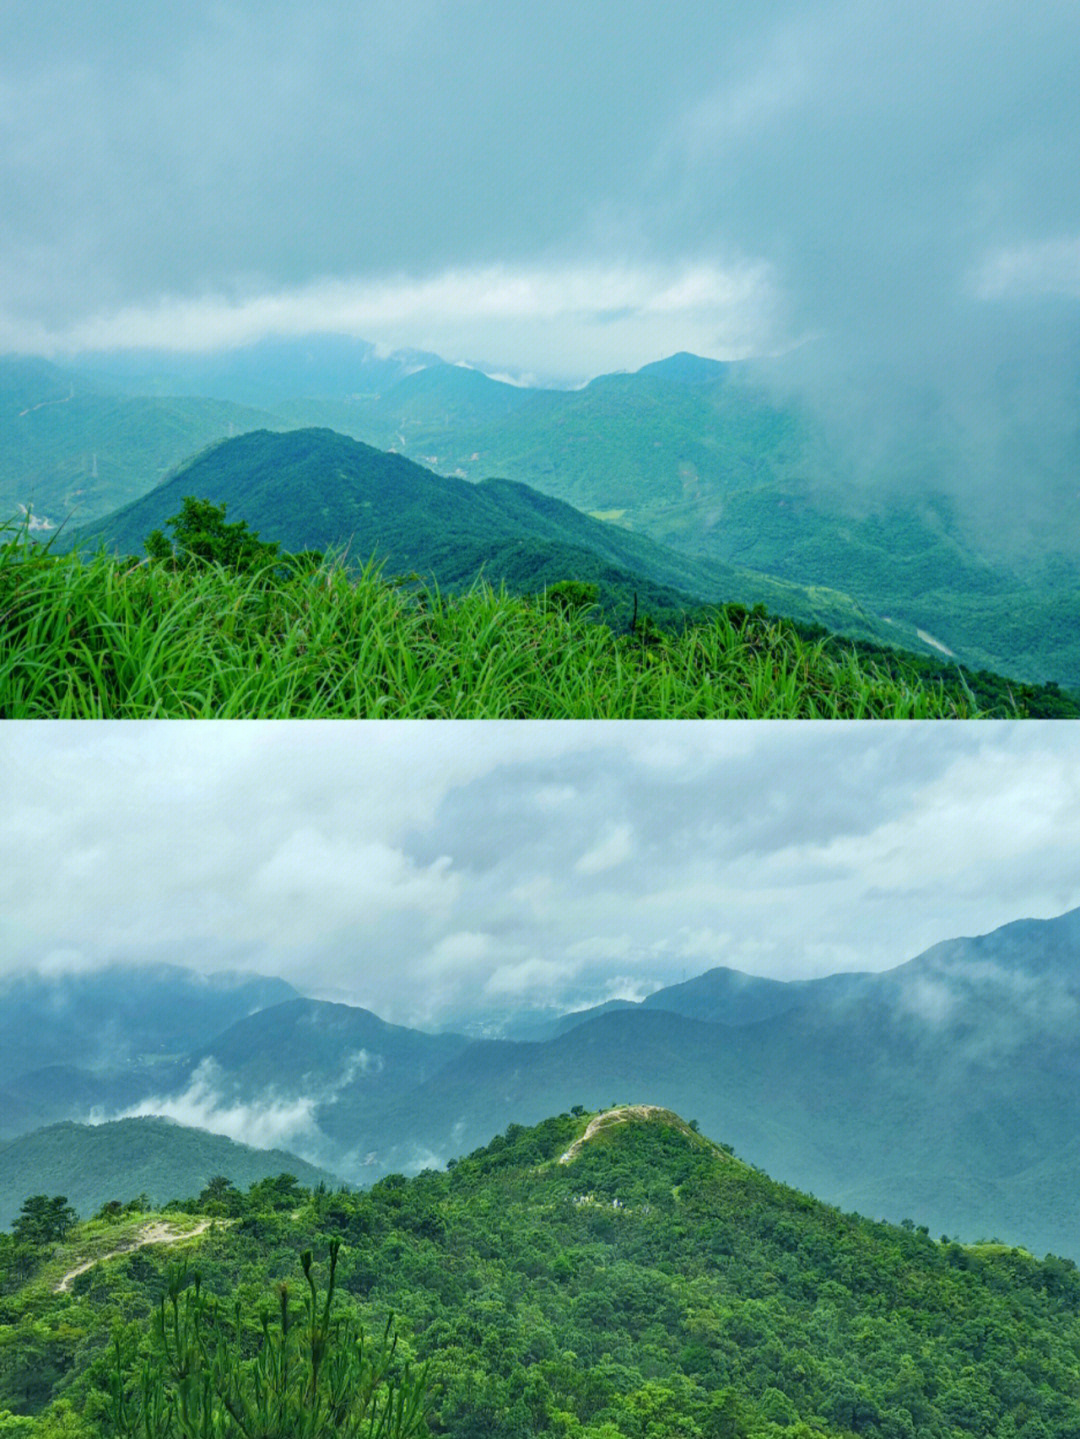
pixel 756 496
pixel 944 1090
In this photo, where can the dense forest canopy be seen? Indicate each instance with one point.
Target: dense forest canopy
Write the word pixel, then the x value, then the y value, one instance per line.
pixel 627 1277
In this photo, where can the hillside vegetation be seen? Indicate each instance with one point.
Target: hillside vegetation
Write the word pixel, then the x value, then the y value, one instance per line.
pixel 708 464
pixel 965 1112
pixel 627 1279
pixel 159 1159
pixel 114 638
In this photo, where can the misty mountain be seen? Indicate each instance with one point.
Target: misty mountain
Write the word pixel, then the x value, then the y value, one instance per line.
pixel 947 1088
pixel 77 1044
pixel 262 374
pixel 713 460
pixel 116 1015
pixel 318 489
pixel 762 501
pixel 309 1044
pixel 92 1164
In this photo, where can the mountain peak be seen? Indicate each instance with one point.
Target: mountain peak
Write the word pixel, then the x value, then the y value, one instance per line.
pixel 632 1114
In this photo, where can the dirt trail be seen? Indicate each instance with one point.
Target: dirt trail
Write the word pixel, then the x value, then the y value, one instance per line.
pixel 610 1117
pixel 157 1233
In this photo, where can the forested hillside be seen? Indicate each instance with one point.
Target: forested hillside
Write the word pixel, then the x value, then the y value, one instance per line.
pixel 614 1276
pixel 157 1158
pixel 944 1087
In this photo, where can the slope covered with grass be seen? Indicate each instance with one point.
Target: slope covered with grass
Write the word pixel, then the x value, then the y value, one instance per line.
pixel 109 638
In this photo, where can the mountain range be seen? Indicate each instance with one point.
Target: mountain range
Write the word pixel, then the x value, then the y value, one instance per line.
pixel 706 459
pixel 945 1090
pixel 320 490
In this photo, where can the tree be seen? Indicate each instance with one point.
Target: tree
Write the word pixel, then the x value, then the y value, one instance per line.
pixel 221 1198
pixel 314 1376
pixel 43 1220
pixel 200 534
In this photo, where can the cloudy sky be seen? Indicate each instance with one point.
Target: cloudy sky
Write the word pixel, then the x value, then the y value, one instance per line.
pixel 557 189
pixel 427 870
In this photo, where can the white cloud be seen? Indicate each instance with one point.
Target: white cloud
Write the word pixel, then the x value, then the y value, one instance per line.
pixel 606 316
pixel 1046 267
pixel 534 976
pixel 459 953
pixel 268 1122
pixel 614 848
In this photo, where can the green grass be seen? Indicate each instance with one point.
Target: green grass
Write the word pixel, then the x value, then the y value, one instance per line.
pixel 111 638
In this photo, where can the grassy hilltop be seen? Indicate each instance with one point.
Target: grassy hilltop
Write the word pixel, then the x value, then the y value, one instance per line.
pixel 228 627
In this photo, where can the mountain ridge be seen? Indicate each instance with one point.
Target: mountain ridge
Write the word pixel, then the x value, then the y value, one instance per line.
pixel 929 1086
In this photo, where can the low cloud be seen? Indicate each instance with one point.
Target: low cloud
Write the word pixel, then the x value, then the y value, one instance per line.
pixel 1047 267
pixel 268 1122
pixel 614 848
pixel 529 978
pixel 570 321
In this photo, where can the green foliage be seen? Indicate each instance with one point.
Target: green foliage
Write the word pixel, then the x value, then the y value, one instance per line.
pixel 570 596
pixel 312 1376
pixel 220 1198
pixel 201 535
pixel 43 1220
pixel 643 1284
pixel 113 639
pixel 753 499
pixel 155 1155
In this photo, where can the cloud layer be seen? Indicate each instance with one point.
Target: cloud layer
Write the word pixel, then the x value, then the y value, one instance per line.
pixel 897 183
pixel 433 871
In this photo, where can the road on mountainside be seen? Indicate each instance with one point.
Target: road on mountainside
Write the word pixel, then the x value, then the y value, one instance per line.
pixel 156 1233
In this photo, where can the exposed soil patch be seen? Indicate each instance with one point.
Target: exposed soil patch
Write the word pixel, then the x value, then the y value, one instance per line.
pixel 157 1233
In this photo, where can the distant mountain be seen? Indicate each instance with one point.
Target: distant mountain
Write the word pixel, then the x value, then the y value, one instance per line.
pixel 307 1046
pixel 92 1164
pixel 111 1014
pixel 686 369
pixel 708 458
pixel 947 1088
pixel 72 450
pixel 261 374
pixel 72 1042
pixel 705 458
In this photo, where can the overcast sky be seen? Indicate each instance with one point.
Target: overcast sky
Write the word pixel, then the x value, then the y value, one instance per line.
pixel 560 188
pixel 419 869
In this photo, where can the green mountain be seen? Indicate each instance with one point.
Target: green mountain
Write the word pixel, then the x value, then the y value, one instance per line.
pixel 319 1042
pixel 614 1275
pixel 72 450
pixel 706 458
pixel 703 458
pixel 98 1043
pixel 315 489
pixel 945 1087
pixel 113 1016
pixel 92 1164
